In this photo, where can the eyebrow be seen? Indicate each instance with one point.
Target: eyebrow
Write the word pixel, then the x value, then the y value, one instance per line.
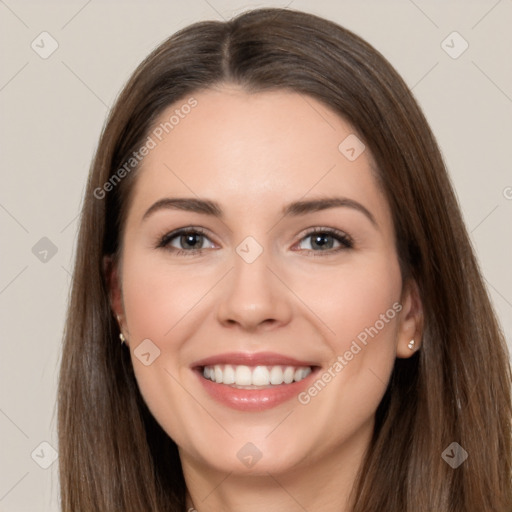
pixel 295 209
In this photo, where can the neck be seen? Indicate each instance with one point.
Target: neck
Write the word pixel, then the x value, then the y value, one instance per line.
pixel 319 484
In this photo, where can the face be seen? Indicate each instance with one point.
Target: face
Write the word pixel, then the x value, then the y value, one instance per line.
pixel 275 275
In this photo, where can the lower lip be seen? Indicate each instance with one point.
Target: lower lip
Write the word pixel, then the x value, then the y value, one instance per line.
pixel 254 399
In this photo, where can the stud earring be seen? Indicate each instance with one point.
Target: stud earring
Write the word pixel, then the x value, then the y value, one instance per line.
pixel 411 344
pixel 121 335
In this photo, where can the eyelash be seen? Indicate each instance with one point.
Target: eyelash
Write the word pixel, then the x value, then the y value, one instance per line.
pixel 345 241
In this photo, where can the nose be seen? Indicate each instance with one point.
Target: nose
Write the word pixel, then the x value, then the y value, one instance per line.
pixel 254 296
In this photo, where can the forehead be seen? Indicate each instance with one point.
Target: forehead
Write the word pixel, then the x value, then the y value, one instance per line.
pixel 252 150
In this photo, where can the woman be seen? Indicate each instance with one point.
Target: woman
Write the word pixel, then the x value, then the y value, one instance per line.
pixel 270 230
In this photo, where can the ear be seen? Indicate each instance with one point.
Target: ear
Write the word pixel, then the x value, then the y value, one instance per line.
pixel 112 277
pixel 410 321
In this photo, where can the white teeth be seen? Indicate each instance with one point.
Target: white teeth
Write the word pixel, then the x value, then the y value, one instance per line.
pixel 300 374
pixel 289 373
pixel 260 376
pixel 228 375
pixel 241 375
pixel 276 376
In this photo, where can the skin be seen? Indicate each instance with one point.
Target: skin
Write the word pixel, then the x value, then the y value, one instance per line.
pixel 253 154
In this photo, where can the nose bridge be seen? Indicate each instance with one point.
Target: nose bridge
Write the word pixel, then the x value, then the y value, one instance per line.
pixel 254 295
pixel 250 270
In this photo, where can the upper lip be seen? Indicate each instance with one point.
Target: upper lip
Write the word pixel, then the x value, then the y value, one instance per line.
pixel 251 359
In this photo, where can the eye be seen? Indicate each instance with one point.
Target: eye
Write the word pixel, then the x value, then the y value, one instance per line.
pixel 324 240
pixel 186 241
pixel 190 241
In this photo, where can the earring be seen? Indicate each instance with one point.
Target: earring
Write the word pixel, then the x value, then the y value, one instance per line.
pixel 411 344
pixel 121 335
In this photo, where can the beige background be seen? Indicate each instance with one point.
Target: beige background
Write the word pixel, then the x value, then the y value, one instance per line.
pixel 52 111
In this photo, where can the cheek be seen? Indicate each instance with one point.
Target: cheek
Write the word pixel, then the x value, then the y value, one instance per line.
pixel 158 295
pixel 366 306
pixel 363 310
pixel 356 300
pixel 164 302
pixel 159 301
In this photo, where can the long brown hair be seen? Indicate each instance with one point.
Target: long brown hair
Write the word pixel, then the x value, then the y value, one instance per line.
pixel 456 388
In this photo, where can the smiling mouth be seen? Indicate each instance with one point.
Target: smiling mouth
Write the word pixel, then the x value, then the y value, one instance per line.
pixel 254 377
